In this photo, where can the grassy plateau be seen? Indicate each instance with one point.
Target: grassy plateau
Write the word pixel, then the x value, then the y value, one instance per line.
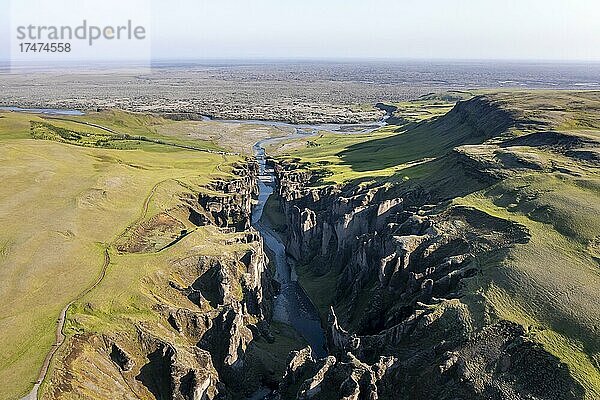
pixel 64 200
pixel 528 157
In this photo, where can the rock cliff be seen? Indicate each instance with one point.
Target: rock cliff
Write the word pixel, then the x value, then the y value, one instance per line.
pixel 401 257
pixel 206 311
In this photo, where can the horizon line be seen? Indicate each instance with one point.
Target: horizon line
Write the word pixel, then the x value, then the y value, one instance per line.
pixel 191 60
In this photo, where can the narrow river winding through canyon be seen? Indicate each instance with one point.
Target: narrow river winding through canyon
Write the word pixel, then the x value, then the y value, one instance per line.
pixel 292 305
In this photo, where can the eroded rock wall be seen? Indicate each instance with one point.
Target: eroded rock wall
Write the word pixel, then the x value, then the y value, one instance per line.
pixel 205 311
pixel 400 325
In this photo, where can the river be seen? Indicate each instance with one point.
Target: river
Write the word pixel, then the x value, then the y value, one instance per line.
pixel 292 305
pixel 299 129
pixel 47 111
pixel 311 129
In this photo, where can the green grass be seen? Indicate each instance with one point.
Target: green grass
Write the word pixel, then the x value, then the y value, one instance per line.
pixel 126 296
pixel 420 110
pixel 333 157
pixel 16 125
pixel 340 158
pixel 123 130
pixel 59 206
pixel 148 126
pixel 115 129
pixel 550 284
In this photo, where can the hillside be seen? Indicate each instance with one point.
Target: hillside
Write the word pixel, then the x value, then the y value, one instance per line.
pixel 458 246
pixel 463 249
pixel 116 227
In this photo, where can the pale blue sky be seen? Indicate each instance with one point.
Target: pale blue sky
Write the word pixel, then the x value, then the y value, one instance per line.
pixel 456 29
pixel 387 29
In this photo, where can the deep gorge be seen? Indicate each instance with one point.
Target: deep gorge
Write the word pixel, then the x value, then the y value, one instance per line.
pixel 390 300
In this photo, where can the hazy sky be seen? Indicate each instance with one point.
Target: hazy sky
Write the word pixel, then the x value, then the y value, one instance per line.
pixel 393 29
pixel 473 29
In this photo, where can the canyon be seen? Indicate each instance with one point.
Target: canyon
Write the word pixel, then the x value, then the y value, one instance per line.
pixel 427 261
pixel 408 267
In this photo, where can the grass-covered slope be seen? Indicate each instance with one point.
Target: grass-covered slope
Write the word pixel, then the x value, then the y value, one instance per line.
pixel 61 206
pixel 340 157
pixel 532 158
pixel 550 183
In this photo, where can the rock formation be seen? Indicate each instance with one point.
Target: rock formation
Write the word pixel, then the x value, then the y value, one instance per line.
pixel 206 314
pixel 401 256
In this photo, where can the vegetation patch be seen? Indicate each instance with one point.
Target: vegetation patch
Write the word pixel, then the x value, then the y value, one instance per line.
pixel 152 235
pixel 527 159
pixel 69 200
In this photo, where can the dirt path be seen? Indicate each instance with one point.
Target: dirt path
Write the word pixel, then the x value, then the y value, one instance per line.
pixel 60 335
pixel 219 165
pixel 144 210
